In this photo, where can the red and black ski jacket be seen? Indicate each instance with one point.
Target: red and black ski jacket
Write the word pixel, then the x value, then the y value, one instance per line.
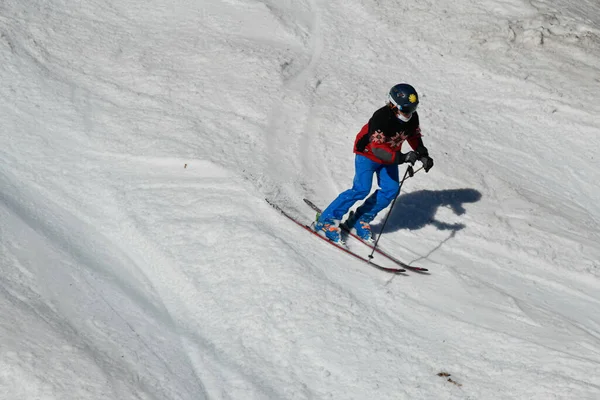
pixel 381 138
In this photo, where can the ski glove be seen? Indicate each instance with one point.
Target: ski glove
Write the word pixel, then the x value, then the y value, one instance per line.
pixel 410 157
pixel 427 163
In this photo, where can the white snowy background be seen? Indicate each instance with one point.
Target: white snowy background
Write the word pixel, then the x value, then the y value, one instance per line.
pixel 125 274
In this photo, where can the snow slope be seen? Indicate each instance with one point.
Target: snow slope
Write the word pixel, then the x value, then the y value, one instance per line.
pixel 139 259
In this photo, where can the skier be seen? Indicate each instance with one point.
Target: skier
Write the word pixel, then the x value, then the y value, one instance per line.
pixel 377 148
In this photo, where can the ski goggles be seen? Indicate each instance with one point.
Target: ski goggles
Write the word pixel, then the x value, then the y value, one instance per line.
pixel 405 109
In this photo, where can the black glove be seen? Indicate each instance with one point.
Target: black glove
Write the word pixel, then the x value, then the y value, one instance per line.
pixel 427 163
pixel 410 157
pixel 422 151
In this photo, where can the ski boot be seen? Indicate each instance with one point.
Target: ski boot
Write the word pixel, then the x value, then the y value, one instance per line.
pixel 330 228
pixel 360 228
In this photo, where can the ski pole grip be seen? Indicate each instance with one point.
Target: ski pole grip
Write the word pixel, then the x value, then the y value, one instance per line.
pixel 412 172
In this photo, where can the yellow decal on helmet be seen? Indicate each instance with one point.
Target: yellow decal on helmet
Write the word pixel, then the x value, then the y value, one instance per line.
pixel 412 98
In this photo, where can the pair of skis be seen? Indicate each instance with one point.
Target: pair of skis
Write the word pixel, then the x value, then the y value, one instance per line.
pixel 400 266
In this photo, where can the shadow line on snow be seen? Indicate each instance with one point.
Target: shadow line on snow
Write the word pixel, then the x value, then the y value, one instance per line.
pixel 416 210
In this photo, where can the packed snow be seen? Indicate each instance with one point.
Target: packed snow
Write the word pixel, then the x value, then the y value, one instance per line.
pixel 140 260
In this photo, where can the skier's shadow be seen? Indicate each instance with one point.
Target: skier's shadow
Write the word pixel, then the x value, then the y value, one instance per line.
pixel 417 209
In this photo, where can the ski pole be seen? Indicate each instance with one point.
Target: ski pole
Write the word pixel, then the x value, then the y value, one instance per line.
pixel 409 173
pixel 413 173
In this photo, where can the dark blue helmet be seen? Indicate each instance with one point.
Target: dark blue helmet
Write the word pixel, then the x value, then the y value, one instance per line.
pixel 404 97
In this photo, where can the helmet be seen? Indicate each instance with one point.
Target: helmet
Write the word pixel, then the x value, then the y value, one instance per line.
pixel 404 97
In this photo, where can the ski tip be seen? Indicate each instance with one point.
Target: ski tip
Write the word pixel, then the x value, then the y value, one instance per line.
pixel 387 269
pixel 419 269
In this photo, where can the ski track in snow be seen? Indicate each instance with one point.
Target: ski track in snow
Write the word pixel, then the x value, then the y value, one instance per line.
pixel 140 261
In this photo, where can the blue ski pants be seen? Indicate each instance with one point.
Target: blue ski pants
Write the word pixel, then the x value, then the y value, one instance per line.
pixel 387 179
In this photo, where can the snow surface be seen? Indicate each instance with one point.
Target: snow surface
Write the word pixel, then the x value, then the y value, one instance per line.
pixel 139 259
